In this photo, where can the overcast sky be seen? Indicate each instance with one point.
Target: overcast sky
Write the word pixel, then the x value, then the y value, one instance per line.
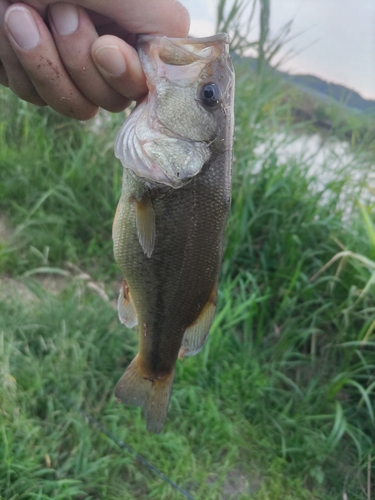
pixel 336 38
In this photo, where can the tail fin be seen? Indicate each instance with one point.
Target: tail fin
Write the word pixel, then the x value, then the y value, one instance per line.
pixel 152 395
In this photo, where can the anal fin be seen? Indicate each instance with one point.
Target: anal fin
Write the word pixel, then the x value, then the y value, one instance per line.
pixel 136 388
pixel 145 220
pixel 125 306
pixel 196 334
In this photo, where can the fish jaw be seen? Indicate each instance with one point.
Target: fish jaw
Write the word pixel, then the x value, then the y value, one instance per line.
pixel 167 137
pixel 143 147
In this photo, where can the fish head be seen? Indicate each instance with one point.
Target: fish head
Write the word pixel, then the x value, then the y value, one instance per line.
pixel 187 113
pixel 188 83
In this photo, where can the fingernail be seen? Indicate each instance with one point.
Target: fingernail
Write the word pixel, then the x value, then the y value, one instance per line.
pixel 111 60
pixel 64 17
pixel 22 27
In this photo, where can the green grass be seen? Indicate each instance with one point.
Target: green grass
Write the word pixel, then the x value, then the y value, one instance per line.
pixel 51 170
pixel 278 405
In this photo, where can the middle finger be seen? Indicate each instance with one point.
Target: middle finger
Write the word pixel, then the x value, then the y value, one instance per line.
pixel 74 34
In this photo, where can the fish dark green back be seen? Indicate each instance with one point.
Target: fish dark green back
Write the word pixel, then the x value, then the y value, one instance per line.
pixel 169 227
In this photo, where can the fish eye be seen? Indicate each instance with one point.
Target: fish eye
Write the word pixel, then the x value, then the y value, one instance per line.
pixel 210 95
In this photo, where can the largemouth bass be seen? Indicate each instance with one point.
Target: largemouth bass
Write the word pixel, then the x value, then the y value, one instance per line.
pixel 176 149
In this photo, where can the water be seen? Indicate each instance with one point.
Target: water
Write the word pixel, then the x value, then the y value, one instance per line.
pixel 327 162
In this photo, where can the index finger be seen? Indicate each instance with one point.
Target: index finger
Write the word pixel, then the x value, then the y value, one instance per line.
pixel 154 17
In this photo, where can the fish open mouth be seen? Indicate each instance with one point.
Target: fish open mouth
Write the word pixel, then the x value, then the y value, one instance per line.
pixel 208 40
pixel 182 51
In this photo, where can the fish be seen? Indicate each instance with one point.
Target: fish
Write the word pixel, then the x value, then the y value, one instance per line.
pixel 168 231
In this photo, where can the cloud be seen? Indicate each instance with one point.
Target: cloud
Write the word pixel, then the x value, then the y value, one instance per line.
pixel 336 38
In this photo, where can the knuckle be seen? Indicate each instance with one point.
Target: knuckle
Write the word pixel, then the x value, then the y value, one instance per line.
pixel 77 64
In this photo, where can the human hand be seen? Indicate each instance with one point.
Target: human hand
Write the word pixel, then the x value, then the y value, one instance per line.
pixel 52 53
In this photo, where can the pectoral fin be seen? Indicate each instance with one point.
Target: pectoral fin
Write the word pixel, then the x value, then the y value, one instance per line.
pixel 145 220
pixel 126 310
pixel 196 334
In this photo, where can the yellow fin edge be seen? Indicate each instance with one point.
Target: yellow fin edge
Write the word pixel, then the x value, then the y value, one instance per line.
pixel 196 334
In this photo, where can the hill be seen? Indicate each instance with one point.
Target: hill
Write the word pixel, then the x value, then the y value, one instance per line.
pixel 320 88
